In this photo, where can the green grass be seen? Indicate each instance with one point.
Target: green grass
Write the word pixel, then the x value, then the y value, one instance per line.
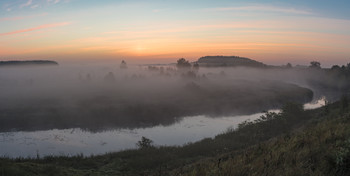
pixel 295 142
pixel 322 147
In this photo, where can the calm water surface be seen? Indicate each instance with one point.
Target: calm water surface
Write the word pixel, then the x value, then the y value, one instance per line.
pixel 77 141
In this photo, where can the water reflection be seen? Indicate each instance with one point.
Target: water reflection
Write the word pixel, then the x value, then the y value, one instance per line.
pixel 76 141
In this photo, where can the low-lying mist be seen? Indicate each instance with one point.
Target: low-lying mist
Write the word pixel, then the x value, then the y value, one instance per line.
pixel 99 97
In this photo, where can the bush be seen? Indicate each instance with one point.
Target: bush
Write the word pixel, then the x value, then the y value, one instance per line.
pixel 144 143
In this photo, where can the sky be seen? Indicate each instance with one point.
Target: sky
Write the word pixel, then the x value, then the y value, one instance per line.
pixel 161 31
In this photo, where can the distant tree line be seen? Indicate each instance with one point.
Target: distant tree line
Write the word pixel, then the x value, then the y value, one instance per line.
pixel 29 62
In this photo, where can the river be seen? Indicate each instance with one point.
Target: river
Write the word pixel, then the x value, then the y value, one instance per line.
pixel 75 141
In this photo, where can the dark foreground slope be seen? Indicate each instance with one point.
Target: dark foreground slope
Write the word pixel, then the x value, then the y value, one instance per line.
pixel 321 148
pixel 294 142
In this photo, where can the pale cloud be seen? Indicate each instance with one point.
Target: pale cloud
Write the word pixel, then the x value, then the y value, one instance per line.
pixel 263 8
pixel 53 1
pixel 35 28
pixel 172 29
pixel 279 25
pixel 22 17
pixel 28 3
pixel 34 6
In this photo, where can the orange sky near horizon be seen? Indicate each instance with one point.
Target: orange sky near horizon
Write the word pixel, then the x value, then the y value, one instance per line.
pixel 270 34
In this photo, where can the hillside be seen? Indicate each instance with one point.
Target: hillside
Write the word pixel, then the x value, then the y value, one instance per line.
pixel 29 62
pixel 231 61
pixel 322 148
pixel 294 142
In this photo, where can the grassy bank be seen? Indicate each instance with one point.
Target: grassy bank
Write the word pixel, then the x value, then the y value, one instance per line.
pixel 322 147
pixel 313 142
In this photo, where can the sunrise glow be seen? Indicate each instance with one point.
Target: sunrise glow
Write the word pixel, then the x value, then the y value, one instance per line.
pixel 276 33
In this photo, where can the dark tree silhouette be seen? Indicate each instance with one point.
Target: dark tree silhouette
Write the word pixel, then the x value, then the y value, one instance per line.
pixel 335 67
pixel 183 63
pixel 315 64
pixel 196 66
pixel 29 62
pixel 123 65
pixel 144 143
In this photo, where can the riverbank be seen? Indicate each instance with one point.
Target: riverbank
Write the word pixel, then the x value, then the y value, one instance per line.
pixel 292 121
pixel 320 147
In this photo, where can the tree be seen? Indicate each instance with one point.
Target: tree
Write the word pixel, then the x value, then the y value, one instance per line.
pixel 144 143
pixel 289 65
pixel 196 66
pixel 123 65
pixel 315 64
pixel 183 63
pixel 335 67
pixel 293 110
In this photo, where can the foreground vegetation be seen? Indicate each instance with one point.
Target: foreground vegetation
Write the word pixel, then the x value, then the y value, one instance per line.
pixel 293 142
pixel 322 147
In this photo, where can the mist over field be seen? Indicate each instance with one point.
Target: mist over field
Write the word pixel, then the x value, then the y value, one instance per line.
pixel 108 96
